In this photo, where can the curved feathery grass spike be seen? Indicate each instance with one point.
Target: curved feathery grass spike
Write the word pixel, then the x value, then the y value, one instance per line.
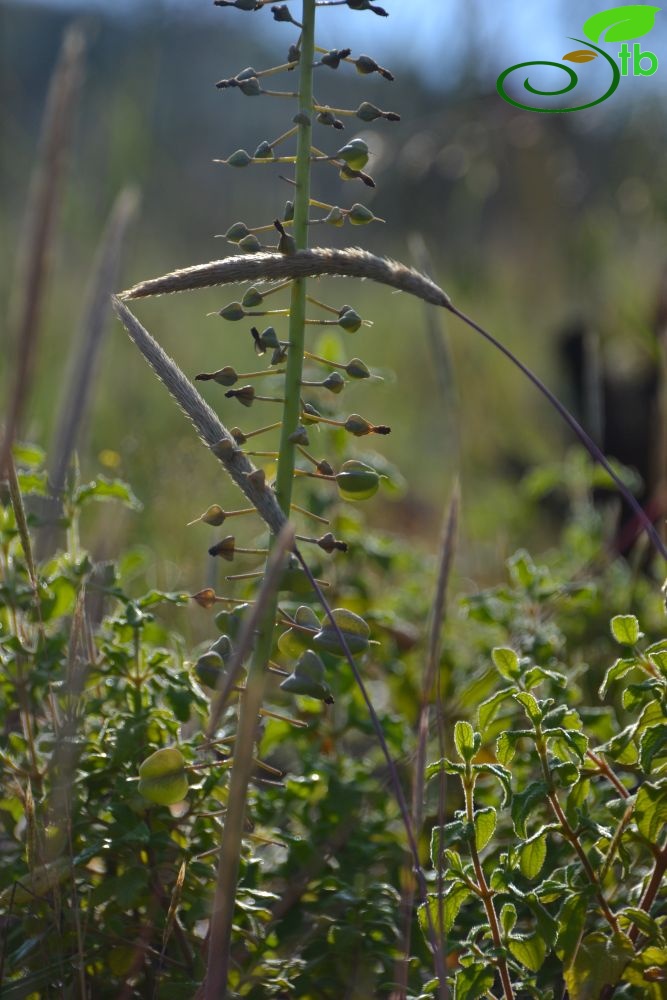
pixel 210 429
pixel 313 263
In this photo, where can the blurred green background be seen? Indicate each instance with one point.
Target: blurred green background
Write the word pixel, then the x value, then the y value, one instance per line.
pixel 530 221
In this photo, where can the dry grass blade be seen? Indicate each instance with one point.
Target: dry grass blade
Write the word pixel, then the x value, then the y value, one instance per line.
pixel 228 864
pixel 77 391
pixel 39 226
pixel 210 429
pixel 431 674
pixel 313 263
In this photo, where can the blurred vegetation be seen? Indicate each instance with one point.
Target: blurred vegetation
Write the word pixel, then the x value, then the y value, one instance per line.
pixel 529 220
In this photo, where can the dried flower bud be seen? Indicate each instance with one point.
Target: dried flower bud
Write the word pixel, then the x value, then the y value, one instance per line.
pixel 333 58
pixel 246 5
pixel 268 339
pixel 250 244
pixel 257 478
pixel 281 13
pixel 224 548
pixel 278 355
pixel 245 395
pixel 301 118
pixel 309 411
pixel 264 151
pixel 334 382
pixel 286 243
pixel 349 320
pixel 293 54
pixel 246 74
pixel 214 515
pixel 238 435
pixel 324 468
pixel 225 376
pixel 326 118
pixel 205 598
pixel 354 154
pixel 288 214
pixel 300 436
pixel 346 173
pixel 366 5
pixel 234 311
pixel 241 158
pixel 357 369
pixel 330 544
pixel 224 448
pixel 366 65
pixel 252 297
pixel 237 232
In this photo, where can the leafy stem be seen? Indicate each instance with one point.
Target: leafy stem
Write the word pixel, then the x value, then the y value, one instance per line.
pixel 482 887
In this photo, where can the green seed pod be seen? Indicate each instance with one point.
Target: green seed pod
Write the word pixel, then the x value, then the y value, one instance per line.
pixel 295 581
pixel 224 548
pixel 300 436
pixel 334 382
pixel 248 4
pixel 241 158
pixel 251 298
pixel 245 395
pixel 250 88
pixel 223 647
pixel 286 244
pixel 368 112
pixel 225 376
pixel 234 311
pixel 294 641
pixel 209 668
pixel 162 777
pixel 349 320
pixel 214 515
pixel 247 74
pixel 293 54
pixel 250 244
pixel 359 215
pixel 229 622
pixel 357 369
pixel 308 678
pixel 354 153
pixel 288 214
pixel 360 427
pixel 264 151
pixel 335 217
pixel 355 631
pixel 237 232
pixel 357 481
pixel 366 65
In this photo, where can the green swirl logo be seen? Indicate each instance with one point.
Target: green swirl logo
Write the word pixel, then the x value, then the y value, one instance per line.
pixel 620 24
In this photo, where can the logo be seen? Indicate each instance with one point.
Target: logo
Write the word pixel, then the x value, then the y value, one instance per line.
pixel 620 24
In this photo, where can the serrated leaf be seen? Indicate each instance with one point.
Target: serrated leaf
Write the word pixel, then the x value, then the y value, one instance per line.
pixel 106 489
pixel 615 672
pixel 473 982
pixel 452 901
pixel 448 766
pixel 651 809
pixel 646 924
pixel 653 744
pixel 625 629
pixel 659 658
pixel 620 24
pixel 507 742
pixel 488 710
pixel 530 951
pixel 530 705
pixel 485 825
pixel 526 802
pixel 532 854
pixel 599 961
pixel 506 662
pixel 571 920
pixel 508 918
pixel 464 740
pixel 502 775
pixel 581 56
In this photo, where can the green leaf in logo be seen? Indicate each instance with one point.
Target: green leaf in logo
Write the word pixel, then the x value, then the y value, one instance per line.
pixel 620 24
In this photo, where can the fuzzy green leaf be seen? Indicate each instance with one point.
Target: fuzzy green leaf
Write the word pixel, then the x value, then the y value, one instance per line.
pixel 530 706
pixel 506 663
pixel 489 709
pixel 473 982
pixel 485 825
pixel 653 744
pixel 530 951
pixel 615 672
pixel 465 740
pixel 106 489
pixel 526 802
pixel 506 744
pixel 651 809
pixel 532 854
pixel 599 961
pixel 453 899
pixel 625 629
pixel 571 920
